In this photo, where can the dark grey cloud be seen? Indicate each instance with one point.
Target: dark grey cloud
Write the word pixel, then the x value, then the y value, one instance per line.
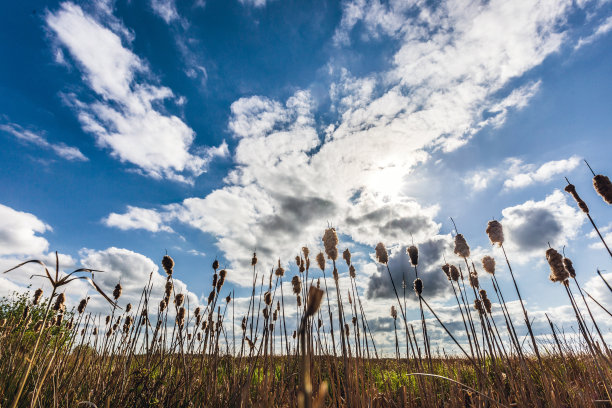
pixel 295 212
pixel 430 260
pixel 534 227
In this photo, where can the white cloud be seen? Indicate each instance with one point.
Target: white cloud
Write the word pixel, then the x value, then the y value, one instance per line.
pixel 19 233
pixel 126 118
pixel 543 173
pixel 606 232
pixel 38 139
pixel 253 3
pixel 166 9
pixel 601 30
pixel 137 218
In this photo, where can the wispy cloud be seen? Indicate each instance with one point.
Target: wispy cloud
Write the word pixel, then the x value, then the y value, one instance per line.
pixel 39 139
pixel 601 30
pixel 127 116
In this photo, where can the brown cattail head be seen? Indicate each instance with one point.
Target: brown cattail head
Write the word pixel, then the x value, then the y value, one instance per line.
pixel 117 291
pixel 280 271
pixel 474 280
pixel 488 263
pixel 215 265
pixel 167 264
pixel 228 298
pixel 215 279
pixel 487 304
pixel 162 305
pixel 265 312
pixel 569 267
pixel 197 311
pixel 244 323
pixel 321 261
pixel 298 260
pixel 37 295
pixel 603 186
pixel 254 259
pixel 178 299
pixel 180 317
pixel 454 273
pixel 294 335
pixel 557 270
pixel 346 255
pixel 446 270
pixel 381 253
pixel 330 242
pixel 413 253
pixel 305 251
pixel 299 300
pixel 268 298
pixel 495 232
pixel 222 274
pixel 570 188
pixel 346 329
pixel 168 288
pixel 418 286
pixel 462 249
pixel 220 284
pixel 211 296
pixel 59 302
pixel 319 323
pixel 297 285
pixel 302 265
pixel 352 271
pixel 354 320
pixel 128 307
pixel 483 293
pixel 335 274
pixel 478 306
pixel 107 320
pixel 393 312
pixel 82 305
pixel 26 313
pixel 274 315
pixel 314 301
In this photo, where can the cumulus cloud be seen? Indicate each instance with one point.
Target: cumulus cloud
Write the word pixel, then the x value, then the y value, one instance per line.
pixel 19 233
pixel 39 139
pixel 137 218
pixel 126 117
pixel 543 173
pixel 531 226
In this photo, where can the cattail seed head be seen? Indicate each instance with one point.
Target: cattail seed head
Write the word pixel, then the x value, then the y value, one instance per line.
pixel 393 312
pixel 557 270
pixel 603 186
pixel 211 296
pixel 299 300
pixel 352 271
pixel 162 305
pixel 197 311
pixel 335 274
pixel 462 249
pixel 319 323
pixel 214 282
pixel 222 274
pixel 478 306
pixel 381 253
pixel 268 298
pixel 107 320
pixel 454 273
pixel 181 316
pixel 354 321
pixel 178 299
pixel 220 284
pixel 569 267
pixel 413 253
pixel 297 284
pixel 167 264
pixel 346 329
pixel 321 261
pixel 346 255
pixel 418 286
pixel 446 270
pixel 37 295
pixel 302 265
pixel 168 288
pixel 495 232
pixel 117 291
pixel 280 271
pixel 228 298
pixel 26 313
pixel 474 280
pixel 570 188
pixel 265 312
pixel 488 263
pixel 294 335
pixel 274 315
pixel 59 302
pixel 215 265
pixel 254 259
pixel 305 251
pixel 298 260
pixel 314 301
pixel 330 242
pixel 128 307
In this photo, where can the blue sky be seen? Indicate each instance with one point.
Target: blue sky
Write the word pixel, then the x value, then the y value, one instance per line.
pixel 211 129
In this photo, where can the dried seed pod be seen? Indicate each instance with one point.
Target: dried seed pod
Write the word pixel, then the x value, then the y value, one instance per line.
pixel 495 232
pixel 215 265
pixel 474 281
pixel 117 291
pixel 330 242
pixel 220 284
pixel 299 300
pixel 280 271
pixel 454 273
pixel 603 186
pixel 569 267
pixel 222 274
pixel 298 260
pixel 570 188
pixel 82 305
pixel 95 331
pixel 211 296
pixel 462 249
pixel 268 298
pixel 335 274
pixel 418 286
pixel 265 312
pixel 108 320
pixel 446 270
pixel 346 329
pixel 346 255
pixel 244 324
pixel 302 266
pixel 228 298
pixel 297 284
pixel 37 295
pixel 306 252
pixel 314 301
pixel 319 323
pixel 557 270
pixel 178 299
pixel 294 335
pixel 393 312
pixel 59 302
pixel 168 288
pixel 275 315
pixel 488 264
pixel 478 306
pixel 352 271
pixel 381 253
pixel 214 282
pixel 180 317
pixel 254 259
pixel 413 253
pixel 162 305
pixel 167 264
pixel 197 311
pixel 354 320
pixel 128 308
pixel 321 261
pixel 59 319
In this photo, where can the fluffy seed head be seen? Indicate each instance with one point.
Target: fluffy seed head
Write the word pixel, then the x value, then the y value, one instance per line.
pixel 254 259
pixel 228 298
pixel 413 253
pixel 603 186
pixel 162 305
pixel 393 312
pixel 211 296
pixel 168 289
pixel 178 299
pixel 474 280
pixel 487 304
pixel 570 188
pixel 59 302
pixel 37 295
pixel 454 273
pixel 314 301
pixel 330 242
pixel 306 251
pixel 297 285
pixel 220 284
pixel 321 261
pixel 381 253
pixel 462 249
pixel 299 300
pixel 557 270
pixel 222 273
pixel 346 255
pixel 569 267
pixel 117 291
pixel 167 264
pixel 495 232
pixel 478 306
pixel 446 270
pixel 488 263
pixel 335 274
pixel 268 298
pixel 128 308
pixel 82 305
pixel 280 271
pixel 418 286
